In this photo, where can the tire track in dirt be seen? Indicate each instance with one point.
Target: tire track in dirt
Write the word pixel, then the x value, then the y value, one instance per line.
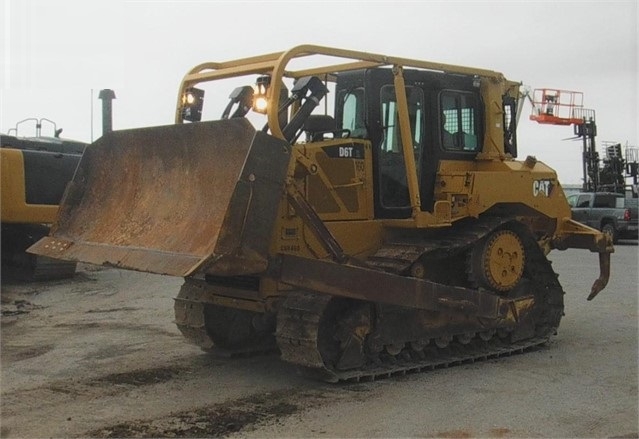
pixel 235 416
pixel 107 385
pixel 241 405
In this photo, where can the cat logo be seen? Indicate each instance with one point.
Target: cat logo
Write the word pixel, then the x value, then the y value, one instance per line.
pixel 542 187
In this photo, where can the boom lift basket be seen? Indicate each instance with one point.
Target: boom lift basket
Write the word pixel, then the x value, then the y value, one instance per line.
pixel 559 107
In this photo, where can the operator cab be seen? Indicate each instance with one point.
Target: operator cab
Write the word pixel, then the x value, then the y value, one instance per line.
pixel 446 120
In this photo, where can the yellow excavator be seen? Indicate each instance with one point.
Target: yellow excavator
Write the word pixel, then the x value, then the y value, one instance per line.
pixel 33 174
pixel 389 230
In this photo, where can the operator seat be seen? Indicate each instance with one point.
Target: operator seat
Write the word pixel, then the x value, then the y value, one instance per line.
pixel 318 125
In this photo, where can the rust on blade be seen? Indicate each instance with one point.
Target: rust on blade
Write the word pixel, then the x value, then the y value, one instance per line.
pixel 159 262
pixel 157 199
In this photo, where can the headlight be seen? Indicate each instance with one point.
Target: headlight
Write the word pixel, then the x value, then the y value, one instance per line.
pixel 192 102
pixel 260 90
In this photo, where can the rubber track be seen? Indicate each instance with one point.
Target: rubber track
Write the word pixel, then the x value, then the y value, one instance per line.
pixel 299 317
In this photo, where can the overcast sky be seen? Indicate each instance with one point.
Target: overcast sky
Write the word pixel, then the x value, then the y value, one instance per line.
pixel 55 52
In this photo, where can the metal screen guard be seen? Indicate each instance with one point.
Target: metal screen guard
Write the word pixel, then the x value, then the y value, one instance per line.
pixel 166 199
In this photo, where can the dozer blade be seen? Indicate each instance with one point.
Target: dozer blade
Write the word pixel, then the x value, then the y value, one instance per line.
pixel 174 200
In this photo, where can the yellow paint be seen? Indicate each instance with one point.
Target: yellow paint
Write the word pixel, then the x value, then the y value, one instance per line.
pixel 13 203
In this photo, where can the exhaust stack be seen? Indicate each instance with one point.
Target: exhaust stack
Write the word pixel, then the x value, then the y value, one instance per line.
pixel 107 96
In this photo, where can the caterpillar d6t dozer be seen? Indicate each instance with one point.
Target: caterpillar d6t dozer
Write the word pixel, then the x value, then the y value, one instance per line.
pixel 391 229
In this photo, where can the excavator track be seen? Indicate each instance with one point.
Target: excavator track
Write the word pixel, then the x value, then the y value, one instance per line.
pixel 45 268
pixel 224 331
pixel 304 322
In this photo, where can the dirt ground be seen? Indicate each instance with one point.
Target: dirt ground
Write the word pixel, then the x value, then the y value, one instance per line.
pixel 99 356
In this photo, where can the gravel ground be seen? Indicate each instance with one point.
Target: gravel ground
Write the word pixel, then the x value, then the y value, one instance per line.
pixel 99 356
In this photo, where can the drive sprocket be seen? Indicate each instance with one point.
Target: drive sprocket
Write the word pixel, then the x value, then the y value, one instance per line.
pixel 497 261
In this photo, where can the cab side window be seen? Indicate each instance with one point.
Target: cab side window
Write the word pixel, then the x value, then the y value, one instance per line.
pixel 572 200
pixel 605 200
pixel 583 201
pixel 353 112
pixel 460 121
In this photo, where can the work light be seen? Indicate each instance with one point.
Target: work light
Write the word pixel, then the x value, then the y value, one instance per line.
pixel 260 101
pixel 192 102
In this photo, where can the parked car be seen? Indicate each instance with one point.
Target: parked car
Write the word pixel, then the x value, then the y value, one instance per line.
pixel 609 212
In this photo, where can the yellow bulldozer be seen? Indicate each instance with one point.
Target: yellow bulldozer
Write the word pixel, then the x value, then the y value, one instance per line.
pixel 386 230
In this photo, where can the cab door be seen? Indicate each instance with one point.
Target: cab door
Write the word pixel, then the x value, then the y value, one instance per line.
pixel 454 127
pixel 391 198
pixel 438 104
